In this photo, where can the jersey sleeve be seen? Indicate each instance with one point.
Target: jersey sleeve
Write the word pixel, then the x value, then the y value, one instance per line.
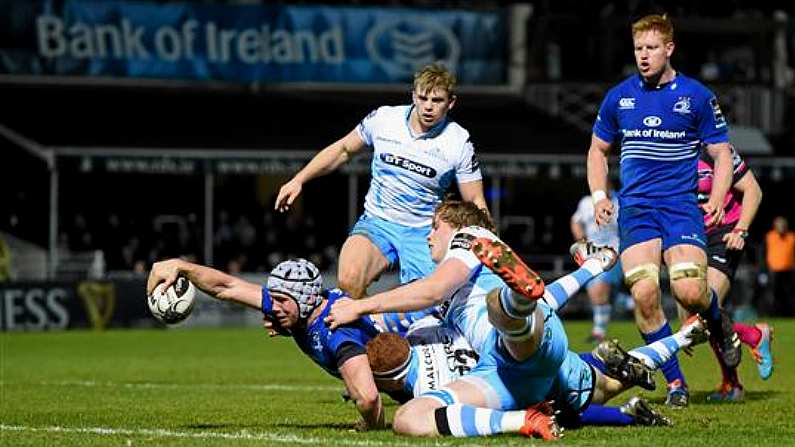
pixel 606 125
pixel 468 169
pixel 739 168
pixel 711 122
pixel 579 214
pixel 346 339
pixel 367 126
pixel 460 247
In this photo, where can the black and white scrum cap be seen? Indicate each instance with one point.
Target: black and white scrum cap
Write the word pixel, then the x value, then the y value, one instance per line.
pixel 299 279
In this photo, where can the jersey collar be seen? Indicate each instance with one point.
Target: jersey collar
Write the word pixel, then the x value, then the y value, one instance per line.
pixel 432 132
pixel 671 85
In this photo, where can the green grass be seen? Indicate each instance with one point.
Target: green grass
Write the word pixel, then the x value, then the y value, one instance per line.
pixel 237 387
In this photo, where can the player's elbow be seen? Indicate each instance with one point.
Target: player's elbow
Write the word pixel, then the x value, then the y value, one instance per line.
pixel 368 402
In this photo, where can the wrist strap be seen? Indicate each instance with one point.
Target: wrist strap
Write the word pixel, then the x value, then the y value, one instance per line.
pixel 598 195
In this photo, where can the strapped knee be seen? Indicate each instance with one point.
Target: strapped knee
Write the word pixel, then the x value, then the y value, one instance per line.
pixel 648 271
pixel 683 270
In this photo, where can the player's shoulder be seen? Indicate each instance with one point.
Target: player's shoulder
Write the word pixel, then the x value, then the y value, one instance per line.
pixel 624 86
pixel 693 85
pixel 463 237
pixel 387 112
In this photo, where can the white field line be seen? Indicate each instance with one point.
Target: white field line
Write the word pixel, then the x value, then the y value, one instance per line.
pixel 162 433
pixel 254 387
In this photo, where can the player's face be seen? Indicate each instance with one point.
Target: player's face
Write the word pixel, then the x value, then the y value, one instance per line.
pixel 285 309
pixel 652 53
pixel 431 107
pixel 439 239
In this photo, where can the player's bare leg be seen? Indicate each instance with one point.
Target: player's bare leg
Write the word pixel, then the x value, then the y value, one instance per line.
pixel 433 415
pixel 360 263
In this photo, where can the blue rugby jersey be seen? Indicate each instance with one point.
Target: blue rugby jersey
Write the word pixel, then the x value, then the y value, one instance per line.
pixel 322 344
pixel 661 131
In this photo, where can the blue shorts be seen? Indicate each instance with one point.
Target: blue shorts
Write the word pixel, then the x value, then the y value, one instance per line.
pixel 512 385
pixel 399 243
pixel 674 221
pixel 574 385
pixel 614 277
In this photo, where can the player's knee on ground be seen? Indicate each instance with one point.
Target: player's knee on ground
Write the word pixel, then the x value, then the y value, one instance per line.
pixel 689 285
pixel 416 418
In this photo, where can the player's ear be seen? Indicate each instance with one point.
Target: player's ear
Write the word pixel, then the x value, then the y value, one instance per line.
pixel 669 48
pixel 453 97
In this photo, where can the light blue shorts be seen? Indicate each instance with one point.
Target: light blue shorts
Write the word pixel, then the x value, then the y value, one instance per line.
pixel 574 384
pixel 406 245
pixel 512 385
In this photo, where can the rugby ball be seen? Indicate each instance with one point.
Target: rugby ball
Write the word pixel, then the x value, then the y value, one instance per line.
pixel 173 304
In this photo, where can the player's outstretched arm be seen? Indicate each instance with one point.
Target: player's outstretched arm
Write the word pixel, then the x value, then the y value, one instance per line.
pixel 214 282
pixel 597 179
pixel 473 192
pixel 417 295
pixel 363 392
pixel 326 161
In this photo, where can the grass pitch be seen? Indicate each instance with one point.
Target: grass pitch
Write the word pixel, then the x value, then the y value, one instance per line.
pixel 221 387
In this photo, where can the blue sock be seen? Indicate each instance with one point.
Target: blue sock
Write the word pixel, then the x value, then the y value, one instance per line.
pixel 670 368
pixel 593 361
pixel 597 414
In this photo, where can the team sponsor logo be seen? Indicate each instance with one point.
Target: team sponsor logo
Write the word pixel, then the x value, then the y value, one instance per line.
pixel 462 241
pixel 720 120
pixel 682 105
pixel 626 103
pixel 409 165
pixel 402 45
pixel 652 121
pixel 387 140
pixel 692 237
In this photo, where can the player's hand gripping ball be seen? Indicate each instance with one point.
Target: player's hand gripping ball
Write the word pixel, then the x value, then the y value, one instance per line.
pixel 173 304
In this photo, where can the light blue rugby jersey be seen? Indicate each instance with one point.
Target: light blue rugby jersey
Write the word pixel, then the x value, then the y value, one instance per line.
pixel 411 173
pixel 661 131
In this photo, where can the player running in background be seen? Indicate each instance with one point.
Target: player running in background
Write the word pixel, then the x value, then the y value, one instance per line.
pixel 294 303
pixel 418 152
pixel 610 283
pixel 661 119
pixel 725 245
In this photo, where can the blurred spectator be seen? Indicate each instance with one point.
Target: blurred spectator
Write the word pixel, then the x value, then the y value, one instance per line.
pixel 780 245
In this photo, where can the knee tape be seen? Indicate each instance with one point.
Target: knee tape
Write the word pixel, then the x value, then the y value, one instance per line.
pixel 644 271
pixel 684 270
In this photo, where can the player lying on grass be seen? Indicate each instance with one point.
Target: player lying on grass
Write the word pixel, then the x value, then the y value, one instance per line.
pixel 434 354
pixel 294 303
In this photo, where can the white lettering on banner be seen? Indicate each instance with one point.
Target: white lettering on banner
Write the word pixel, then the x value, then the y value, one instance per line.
pixel 261 45
pixel 35 308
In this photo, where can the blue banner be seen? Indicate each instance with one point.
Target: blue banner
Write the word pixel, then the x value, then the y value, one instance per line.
pixel 248 43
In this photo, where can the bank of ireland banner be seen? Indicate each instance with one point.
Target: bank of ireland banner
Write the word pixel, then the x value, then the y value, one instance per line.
pixel 248 43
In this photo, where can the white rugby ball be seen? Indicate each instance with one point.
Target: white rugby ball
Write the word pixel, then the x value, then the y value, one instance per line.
pixel 175 303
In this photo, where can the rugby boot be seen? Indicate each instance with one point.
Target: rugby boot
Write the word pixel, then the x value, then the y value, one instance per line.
pixel 540 422
pixel 763 353
pixel 727 340
pixel 505 263
pixel 727 392
pixel 624 367
pixel 643 414
pixel 583 250
pixel 695 329
pixel 678 395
